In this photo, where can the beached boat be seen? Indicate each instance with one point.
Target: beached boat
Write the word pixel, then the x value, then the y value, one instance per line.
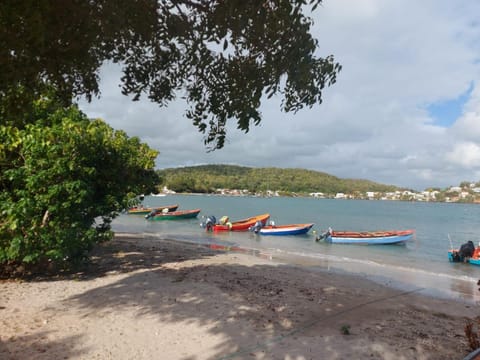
pixel 175 215
pixel 367 237
pixel 292 229
pixel 140 210
pixel 458 255
pixel 241 225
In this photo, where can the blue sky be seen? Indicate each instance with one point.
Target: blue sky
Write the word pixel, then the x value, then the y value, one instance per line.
pixel 446 112
pixel 405 109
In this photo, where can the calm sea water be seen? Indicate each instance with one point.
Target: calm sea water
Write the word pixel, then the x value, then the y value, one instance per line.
pixel 420 265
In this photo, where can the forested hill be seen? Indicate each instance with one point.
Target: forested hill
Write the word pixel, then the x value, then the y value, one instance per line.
pixel 208 178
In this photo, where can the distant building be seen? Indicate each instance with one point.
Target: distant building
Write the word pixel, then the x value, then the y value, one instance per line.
pixel 455 189
pixel 165 190
pixel 464 194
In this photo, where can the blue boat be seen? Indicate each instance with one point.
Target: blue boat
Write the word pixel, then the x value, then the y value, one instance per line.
pixel 367 237
pixel 454 255
pixel 285 230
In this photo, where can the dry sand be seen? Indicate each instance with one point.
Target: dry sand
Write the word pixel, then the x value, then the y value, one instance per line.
pixel 157 299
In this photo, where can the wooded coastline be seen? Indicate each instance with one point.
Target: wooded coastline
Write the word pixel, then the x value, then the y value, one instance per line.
pixel 240 180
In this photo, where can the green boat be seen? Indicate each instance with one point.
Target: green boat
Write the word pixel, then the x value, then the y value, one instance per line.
pixel 176 215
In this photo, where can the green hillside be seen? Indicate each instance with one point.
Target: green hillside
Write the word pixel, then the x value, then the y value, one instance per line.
pixel 208 178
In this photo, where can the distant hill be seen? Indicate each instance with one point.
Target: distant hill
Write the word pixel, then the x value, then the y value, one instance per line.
pixel 208 178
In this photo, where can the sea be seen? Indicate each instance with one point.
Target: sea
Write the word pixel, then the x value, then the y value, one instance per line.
pixel 420 265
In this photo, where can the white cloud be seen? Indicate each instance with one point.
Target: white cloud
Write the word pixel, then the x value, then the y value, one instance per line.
pixel 467 127
pixel 398 56
pixel 466 155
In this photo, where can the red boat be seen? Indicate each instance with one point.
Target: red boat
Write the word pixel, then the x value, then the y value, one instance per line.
pixel 240 225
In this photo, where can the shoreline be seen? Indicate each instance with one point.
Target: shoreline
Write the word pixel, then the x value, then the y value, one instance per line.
pixel 141 298
pixel 348 197
pixel 400 278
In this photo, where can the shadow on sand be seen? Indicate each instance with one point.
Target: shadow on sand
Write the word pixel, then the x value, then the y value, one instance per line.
pixel 258 311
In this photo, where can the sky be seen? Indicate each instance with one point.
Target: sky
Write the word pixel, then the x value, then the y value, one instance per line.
pixel 405 109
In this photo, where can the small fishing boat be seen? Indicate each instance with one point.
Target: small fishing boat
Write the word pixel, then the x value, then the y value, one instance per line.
pixel 176 215
pixel 140 210
pixel 367 237
pixel 292 229
pixel 465 255
pixel 241 225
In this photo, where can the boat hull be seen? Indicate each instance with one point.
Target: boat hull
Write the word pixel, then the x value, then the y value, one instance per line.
pixel 370 238
pixel 145 211
pixel 285 230
pixel 241 225
pixel 176 215
pixel 474 260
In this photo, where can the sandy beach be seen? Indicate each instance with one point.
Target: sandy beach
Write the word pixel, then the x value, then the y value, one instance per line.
pixel 158 299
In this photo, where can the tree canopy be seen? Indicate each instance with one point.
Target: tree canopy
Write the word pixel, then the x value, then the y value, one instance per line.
pixel 223 57
pixel 209 178
pixel 63 179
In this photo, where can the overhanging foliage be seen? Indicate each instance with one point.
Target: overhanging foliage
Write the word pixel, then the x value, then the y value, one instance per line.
pixel 222 56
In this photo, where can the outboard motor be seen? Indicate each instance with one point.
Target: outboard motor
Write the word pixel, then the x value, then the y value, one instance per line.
pixel 456 257
pixel 151 214
pixel 209 222
pixel 324 235
pixel 256 228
